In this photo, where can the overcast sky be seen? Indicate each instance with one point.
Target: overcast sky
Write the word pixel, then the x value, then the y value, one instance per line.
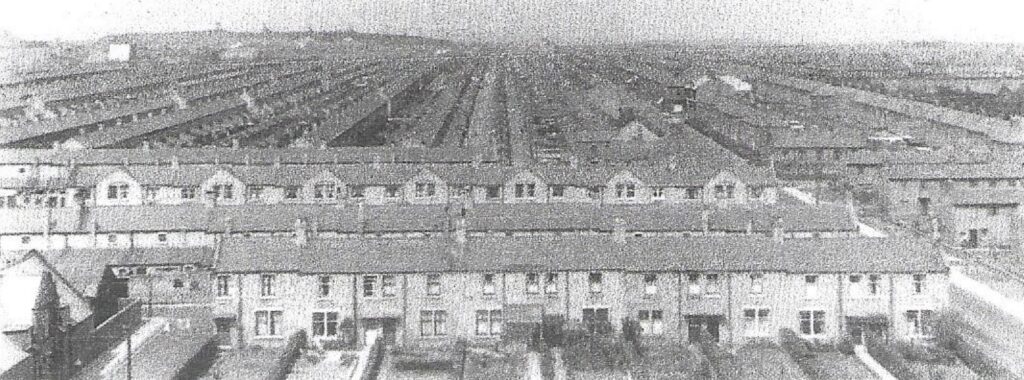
pixel 563 20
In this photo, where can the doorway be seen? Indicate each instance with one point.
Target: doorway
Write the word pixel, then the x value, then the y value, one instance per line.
pixel 703 328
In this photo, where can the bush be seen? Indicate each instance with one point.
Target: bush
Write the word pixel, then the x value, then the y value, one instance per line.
pixel 845 345
pixel 283 364
pixel 802 352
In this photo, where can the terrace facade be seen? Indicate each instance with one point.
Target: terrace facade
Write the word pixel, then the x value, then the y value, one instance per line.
pixel 379 184
pixel 973 205
pixel 683 289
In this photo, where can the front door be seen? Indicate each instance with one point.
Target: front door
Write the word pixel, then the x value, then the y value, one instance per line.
pixel 972 238
pixel 924 205
pixel 224 326
pixel 701 328
pixel 862 328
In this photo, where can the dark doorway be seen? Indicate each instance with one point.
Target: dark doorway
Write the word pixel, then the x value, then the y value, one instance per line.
pixel 703 328
pixel 224 326
pixel 862 327
pixel 973 238
pixel 388 326
pixel 924 206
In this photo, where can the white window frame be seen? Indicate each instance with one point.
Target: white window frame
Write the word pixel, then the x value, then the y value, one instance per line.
pixel 435 318
pixel 488 322
pixel 267 288
pixel 223 286
pixel 812 320
pixel 325 323
pixel 760 324
pixel 652 321
pixel 650 284
pixel 274 325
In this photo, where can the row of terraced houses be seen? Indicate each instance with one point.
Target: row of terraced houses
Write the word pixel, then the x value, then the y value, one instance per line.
pixel 424 291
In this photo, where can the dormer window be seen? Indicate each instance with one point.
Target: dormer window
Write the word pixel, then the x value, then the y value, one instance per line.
pixel 117 190
pixel 725 191
pixel 254 192
pixel 323 190
pixel 223 191
pixel 291 192
pixel 425 190
pixel 391 191
pixel 658 193
pixel 558 191
pixel 693 193
pixel 525 190
pixel 357 192
pixel 625 191
pixel 493 192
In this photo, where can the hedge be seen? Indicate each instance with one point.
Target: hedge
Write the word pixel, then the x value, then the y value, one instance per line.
pixel 889 357
pixel 283 364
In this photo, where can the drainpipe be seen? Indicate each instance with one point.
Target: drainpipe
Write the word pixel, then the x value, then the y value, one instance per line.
pixel 355 307
pixel 679 305
pixel 728 309
pixel 839 301
pixel 892 307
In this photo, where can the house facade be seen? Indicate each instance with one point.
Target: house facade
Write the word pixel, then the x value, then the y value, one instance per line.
pixel 438 290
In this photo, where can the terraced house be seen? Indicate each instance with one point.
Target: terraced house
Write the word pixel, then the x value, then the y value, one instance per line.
pixel 973 205
pixel 424 291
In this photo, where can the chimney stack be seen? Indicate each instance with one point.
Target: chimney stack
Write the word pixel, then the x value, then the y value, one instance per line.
pixel 750 226
pixel 459 238
pixel 174 161
pixel 376 163
pixel 145 145
pixel 619 231
pixel 300 233
pixel 705 221
pixel 277 161
pixel 361 218
pixel 235 144
pixel 93 229
pixel 778 232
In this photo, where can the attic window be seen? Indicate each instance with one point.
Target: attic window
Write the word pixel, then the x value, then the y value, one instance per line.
pixel 111 238
pixel 118 190
pixel 493 192
pixel 357 192
pixel 26 239
pixel 178 283
pixel 557 191
pixel 425 190
pixel 161 237
pixel 692 192
pixel 625 190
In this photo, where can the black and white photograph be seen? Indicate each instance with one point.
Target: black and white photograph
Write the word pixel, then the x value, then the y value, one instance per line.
pixel 511 189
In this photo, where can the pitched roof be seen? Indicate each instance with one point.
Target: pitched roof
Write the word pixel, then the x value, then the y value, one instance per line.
pixel 581 252
pixel 955 171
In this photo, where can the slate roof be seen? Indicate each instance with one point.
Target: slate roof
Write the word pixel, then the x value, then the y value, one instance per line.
pixel 956 171
pixel 423 218
pixel 584 252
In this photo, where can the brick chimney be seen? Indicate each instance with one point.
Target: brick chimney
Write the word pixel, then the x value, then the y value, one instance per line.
pixel 778 231
pixel 301 237
pixel 458 239
pixel 619 231
pixel 705 221
pixel 174 161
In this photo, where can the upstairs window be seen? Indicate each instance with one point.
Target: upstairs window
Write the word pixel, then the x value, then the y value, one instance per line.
pixel 223 191
pixel 493 192
pixel 693 288
pixel 551 283
pixel 525 190
pixel 596 282
pixel 357 192
pixel 425 190
pixel 874 284
pixel 189 192
pixel 324 286
pixel 756 283
pixel 433 323
pixel 594 192
pixel 532 283
pixel 223 285
pixel 919 284
pixel 488 287
pixel 378 286
pixel 324 190
pixel 811 287
pixel 625 191
pixel 254 192
pixel 557 191
pixel 712 286
pixel 756 322
pixel 267 285
pixel 434 284
pixel 725 191
pixel 391 191
pixel 693 193
pixel 650 284
pixel 658 193
pixel 118 190
pixel 268 323
pixel 291 192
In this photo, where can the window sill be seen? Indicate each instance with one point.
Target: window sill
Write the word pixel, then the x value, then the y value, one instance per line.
pixel 268 298
pixel 269 337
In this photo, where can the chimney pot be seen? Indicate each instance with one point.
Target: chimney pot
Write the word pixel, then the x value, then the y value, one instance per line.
pixel 778 231
pixel 301 238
